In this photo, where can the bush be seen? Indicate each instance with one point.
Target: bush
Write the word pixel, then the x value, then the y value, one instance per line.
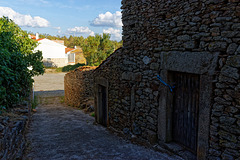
pixel 59 69
pixel 71 67
pixel 16 55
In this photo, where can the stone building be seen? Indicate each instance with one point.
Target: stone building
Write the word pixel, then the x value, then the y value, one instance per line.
pixel 76 56
pixel 176 81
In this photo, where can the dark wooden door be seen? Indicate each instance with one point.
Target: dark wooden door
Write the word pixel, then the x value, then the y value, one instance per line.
pixel 185 109
pixel 102 105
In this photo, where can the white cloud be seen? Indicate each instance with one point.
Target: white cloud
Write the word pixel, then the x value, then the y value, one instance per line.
pixel 108 19
pixel 115 33
pixel 92 34
pixel 58 28
pixel 81 30
pixel 23 20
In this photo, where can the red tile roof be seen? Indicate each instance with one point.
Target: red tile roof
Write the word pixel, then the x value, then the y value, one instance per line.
pixel 68 49
pixel 59 41
pixel 32 36
pixel 40 39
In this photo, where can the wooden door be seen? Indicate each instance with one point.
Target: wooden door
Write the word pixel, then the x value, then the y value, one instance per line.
pixel 185 109
pixel 102 105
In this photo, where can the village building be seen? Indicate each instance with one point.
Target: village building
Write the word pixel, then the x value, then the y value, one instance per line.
pixel 55 54
pixel 176 80
pixel 75 55
pixel 59 41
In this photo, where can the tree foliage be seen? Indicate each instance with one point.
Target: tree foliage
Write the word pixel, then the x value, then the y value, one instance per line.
pixel 16 55
pixel 95 48
pixel 71 67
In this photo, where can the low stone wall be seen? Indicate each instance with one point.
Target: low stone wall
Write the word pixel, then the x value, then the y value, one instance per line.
pixel 55 62
pixel 12 133
pixel 78 86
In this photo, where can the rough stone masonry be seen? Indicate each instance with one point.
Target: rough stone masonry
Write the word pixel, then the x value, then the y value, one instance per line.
pixel 164 37
pixel 78 86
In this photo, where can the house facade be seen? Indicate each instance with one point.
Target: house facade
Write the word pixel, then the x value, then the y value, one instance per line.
pixel 53 53
pixel 75 55
pixel 176 81
pixel 71 57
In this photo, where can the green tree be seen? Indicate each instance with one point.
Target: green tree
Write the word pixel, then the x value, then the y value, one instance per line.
pixel 97 49
pixel 71 41
pixel 16 55
pixel 90 48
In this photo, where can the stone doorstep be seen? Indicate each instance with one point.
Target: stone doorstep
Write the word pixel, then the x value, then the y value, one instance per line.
pixel 171 149
pixel 177 149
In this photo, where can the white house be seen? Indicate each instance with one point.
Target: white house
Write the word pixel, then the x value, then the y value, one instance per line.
pixel 53 53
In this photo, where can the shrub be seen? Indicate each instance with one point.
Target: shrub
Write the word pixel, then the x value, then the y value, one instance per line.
pixel 16 55
pixel 71 67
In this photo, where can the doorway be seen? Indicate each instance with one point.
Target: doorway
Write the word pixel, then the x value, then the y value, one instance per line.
pixel 102 105
pixel 185 109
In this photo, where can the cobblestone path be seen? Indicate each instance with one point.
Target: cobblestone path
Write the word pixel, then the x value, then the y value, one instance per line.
pixel 60 132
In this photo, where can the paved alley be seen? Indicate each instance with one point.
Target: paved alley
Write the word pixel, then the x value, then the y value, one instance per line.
pixel 60 132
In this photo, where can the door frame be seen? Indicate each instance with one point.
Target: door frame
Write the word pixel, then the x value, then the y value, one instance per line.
pixel 99 81
pixel 187 62
pixel 102 111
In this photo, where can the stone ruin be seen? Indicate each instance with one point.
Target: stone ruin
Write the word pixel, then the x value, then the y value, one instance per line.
pixel 176 80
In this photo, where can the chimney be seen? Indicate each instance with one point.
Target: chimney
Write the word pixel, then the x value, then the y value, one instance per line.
pixel 37 36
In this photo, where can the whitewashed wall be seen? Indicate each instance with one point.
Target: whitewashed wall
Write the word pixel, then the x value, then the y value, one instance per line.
pixel 51 49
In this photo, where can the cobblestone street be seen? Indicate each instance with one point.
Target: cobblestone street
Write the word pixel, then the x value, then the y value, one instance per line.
pixel 59 132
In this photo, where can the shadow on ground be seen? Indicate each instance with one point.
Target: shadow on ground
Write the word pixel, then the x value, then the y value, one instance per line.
pixel 54 93
pixel 60 132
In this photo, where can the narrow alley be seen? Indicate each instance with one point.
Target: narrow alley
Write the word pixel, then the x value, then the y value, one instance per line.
pixel 60 132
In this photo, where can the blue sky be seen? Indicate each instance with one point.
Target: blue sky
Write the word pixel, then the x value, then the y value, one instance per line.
pixel 66 17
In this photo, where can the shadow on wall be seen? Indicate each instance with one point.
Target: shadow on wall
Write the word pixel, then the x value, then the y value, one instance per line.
pixel 49 63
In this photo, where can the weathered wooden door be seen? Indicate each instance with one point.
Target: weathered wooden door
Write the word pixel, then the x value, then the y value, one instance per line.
pixel 102 105
pixel 185 109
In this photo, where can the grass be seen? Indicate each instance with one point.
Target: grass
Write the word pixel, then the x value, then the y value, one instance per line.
pixel 49 67
pixel 93 114
pixel 62 100
pixel 59 69
pixel 34 102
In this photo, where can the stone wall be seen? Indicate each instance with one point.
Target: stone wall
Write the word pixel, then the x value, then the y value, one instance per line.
pixel 225 115
pixel 160 36
pixel 79 56
pixel 55 62
pixel 78 86
pixel 12 133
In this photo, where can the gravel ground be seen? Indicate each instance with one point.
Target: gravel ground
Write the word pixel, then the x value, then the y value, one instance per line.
pixel 49 82
pixel 60 132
